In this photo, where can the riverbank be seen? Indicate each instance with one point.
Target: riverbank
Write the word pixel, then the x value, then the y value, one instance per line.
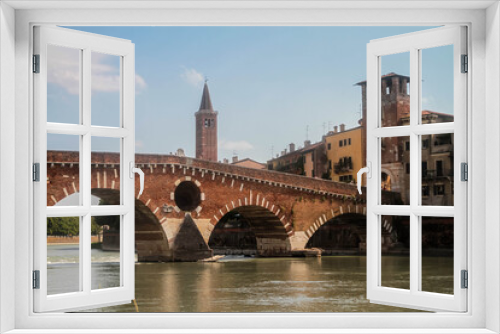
pixel 69 240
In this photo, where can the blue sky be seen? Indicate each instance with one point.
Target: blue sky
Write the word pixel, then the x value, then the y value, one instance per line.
pixel 268 83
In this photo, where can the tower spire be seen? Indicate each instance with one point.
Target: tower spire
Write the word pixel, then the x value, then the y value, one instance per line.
pixel 206 102
pixel 206 128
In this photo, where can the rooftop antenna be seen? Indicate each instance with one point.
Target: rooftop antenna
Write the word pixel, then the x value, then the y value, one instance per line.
pixel 329 125
pixel 324 127
pixel 272 151
pixel 360 113
pixel 307 132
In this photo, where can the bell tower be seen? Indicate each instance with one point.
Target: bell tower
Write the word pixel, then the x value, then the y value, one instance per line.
pixel 206 128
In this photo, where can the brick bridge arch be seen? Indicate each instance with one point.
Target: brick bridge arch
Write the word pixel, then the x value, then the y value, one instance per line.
pixel 338 211
pixel 269 224
pixel 300 204
pixel 150 239
pixel 258 201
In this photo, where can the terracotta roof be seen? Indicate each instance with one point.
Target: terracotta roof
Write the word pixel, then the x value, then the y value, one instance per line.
pixel 247 159
pixel 391 74
pixel 206 102
pixel 300 150
pixel 427 112
pixel 331 133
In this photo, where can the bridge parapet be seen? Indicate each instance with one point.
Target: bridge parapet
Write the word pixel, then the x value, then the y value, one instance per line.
pixel 268 177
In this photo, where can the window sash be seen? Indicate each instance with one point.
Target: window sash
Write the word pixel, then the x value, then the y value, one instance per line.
pixel 413 43
pixel 86 43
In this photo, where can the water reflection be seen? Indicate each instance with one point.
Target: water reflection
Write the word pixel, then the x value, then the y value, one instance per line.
pixel 238 284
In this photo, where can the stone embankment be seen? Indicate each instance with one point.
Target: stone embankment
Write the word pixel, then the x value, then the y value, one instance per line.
pixel 53 239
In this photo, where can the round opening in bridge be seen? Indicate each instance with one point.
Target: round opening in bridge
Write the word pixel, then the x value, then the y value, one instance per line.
pixel 187 196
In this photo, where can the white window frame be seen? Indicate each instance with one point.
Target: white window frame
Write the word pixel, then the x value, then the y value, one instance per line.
pixel 86 44
pixel 413 44
pixel 484 50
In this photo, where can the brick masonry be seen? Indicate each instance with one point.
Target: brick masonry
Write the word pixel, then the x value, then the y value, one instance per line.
pixel 300 205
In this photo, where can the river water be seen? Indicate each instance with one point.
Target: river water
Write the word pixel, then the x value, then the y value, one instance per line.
pixel 240 284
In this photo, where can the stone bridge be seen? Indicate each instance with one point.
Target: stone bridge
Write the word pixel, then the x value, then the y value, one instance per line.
pixel 185 200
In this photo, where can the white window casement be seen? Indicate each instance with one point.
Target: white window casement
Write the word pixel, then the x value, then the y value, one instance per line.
pixel 48 41
pixel 415 45
pixel 472 310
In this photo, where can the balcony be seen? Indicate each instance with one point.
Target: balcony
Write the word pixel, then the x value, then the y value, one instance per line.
pixel 441 148
pixel 432 174
pixel 342 167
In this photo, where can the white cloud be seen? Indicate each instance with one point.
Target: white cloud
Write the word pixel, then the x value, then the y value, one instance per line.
pixel 140 83
pixel 238 145
pixel 63 71
pixel 63 68
pixel 192 77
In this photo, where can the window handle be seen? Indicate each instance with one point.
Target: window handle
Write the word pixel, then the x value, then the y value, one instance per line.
pixel 368 171
pixel 141 176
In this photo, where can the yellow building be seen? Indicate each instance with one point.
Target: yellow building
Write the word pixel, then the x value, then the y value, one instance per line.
pixel 345 154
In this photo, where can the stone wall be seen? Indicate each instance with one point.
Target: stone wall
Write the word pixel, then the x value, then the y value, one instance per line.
pixel 53 239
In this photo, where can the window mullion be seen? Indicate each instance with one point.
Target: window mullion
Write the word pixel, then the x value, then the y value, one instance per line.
pixel 85 179
pixel 414 163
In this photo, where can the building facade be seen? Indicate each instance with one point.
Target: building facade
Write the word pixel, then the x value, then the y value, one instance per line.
pixel 437 162
pixel 437 150
pixel 206 128
pixel 345 153
pixel 309 160
pixel 395 105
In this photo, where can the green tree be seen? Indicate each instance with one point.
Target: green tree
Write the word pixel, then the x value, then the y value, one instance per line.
pixel 69 226
pixel 63 226
pixel 112 221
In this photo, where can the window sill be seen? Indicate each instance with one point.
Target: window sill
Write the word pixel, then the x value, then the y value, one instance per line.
pixel 251 331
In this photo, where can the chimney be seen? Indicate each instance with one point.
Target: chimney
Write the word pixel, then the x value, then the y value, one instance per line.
pixel 292 147
pixel 226 160
pixel 235 159
pixel 180 152
pixel 342 127
pixel 335 129
pixel 307 143
pixel 283 153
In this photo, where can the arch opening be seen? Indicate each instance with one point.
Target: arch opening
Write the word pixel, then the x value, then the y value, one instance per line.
pixel 151 243
pixel 386 181
pixel 345 234
pixel 250 230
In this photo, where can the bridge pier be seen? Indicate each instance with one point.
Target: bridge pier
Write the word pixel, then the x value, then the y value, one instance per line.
pixel 189 244
pixel 271 247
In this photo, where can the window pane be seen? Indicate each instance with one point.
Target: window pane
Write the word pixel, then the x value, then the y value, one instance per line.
pixel 437 169
pixel 395 89
pixel 395 249
pixel 63 255
pixel 437 84
pixel 63 170
pixel 106 245
pixel 395 170
pixel 106 90
pixel 63 84
pixel 105 183
pixel 437 254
